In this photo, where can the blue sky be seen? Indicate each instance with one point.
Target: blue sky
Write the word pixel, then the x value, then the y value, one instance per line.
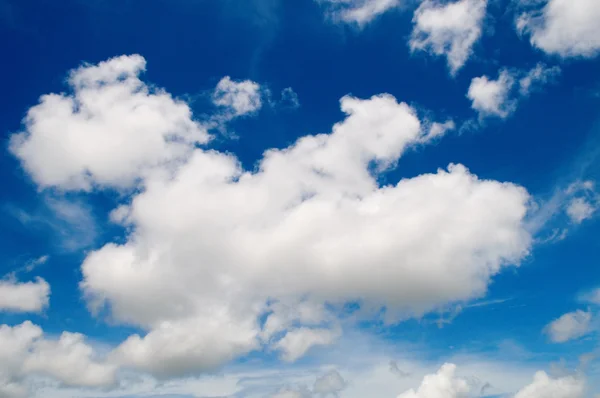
pixel 253 198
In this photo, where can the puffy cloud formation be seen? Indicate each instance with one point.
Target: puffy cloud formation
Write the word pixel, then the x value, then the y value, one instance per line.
pixel 212 248
pixel 448 29
pixel 580 209
pixel 583 201
pixel 237 97
pixel 492 97
pixel 543 386
pixel 24 297
pixel 443 384
pixel 570 326
pixel 568 28
pixel 359 12
pixel 25 352
pixel 499 98
pixel 110 114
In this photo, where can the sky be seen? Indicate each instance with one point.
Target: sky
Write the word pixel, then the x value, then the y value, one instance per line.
pixel 300 198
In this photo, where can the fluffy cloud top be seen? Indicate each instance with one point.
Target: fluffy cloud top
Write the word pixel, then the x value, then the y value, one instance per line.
pixel 25 352
pixel 544 386
pixel 491 97
pixel 443 384
pixel 24 297
pixel 110 114
pixel 569 326
pixel 448 29
pixel 213 247
pixel 568 28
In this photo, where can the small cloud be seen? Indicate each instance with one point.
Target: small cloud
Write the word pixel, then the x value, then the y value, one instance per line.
pixel 32 264
pixel 237 98
pixel 492 97
pixel 500 97
pixel 358 12
pixel 23 297
pixel 569 326
pixel 580 209
pixel 289 98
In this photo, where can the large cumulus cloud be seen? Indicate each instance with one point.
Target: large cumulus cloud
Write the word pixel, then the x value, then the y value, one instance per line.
pixel 214 249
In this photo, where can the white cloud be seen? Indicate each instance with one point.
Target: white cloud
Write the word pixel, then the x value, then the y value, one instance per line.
pixel 580 209
pixel 359 12
pixel 591 297
pixel 237 97
pixel 24 297
pixel 297 342
pixel 499 97
pixel 437 130
pixel 543 386
pixel 112 129
pixel 568 28
pixel 70 360
pixel 25 352
pixel 443 384
pixel 212 245
pixel 492 97
pixel 539 75
pixel 583 201
pixel 448 29
pixel 569 326
pixel 331 383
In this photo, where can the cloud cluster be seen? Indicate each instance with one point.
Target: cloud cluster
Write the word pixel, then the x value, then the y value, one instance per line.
pixel 24 352
pixel 448 29
pixel 445 384
pixel 212 249
pixel 568 28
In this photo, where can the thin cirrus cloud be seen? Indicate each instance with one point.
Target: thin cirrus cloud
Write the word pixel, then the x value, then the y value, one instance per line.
pixel 358 12
pixel 304 210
